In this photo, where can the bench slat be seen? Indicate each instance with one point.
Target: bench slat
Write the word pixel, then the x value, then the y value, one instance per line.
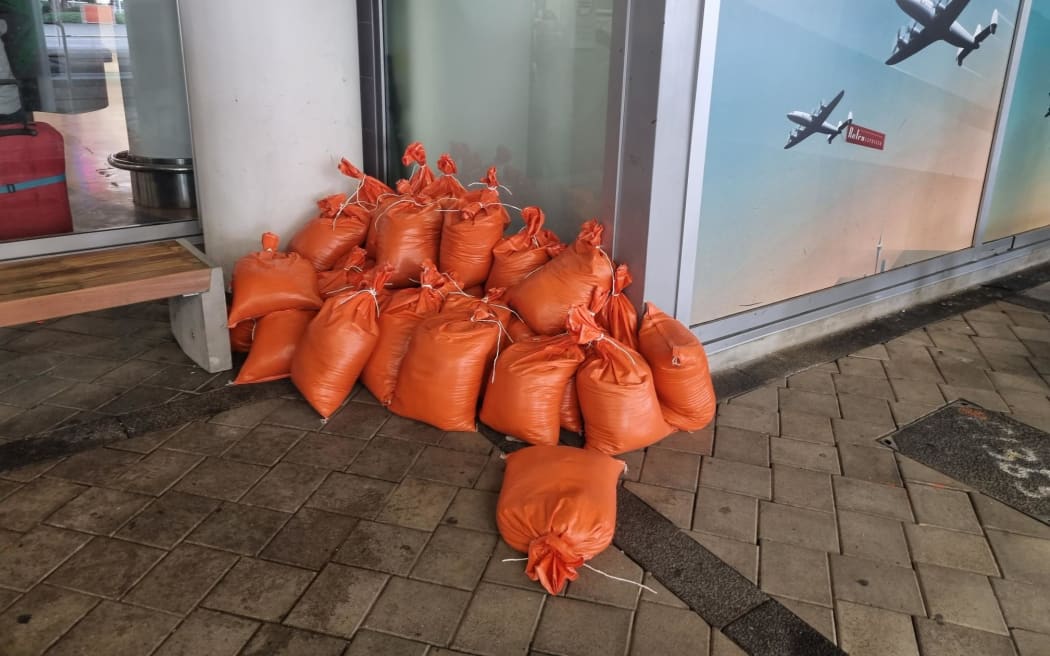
pixel 83 282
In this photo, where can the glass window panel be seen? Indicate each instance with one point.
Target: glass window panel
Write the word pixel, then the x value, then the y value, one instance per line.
pixel 519 84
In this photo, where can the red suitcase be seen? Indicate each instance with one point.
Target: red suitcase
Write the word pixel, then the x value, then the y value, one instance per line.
pixel 33 196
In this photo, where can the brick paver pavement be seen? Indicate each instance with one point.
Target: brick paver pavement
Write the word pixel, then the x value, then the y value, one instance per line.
pixel 262 532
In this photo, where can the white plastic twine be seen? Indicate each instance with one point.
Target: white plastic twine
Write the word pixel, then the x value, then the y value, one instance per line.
pixel 594 569
pixel 499 186
pixel 371 291
pixel 612 342
pixel 503 331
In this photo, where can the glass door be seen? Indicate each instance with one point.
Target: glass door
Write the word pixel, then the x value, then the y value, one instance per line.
pixel 523 85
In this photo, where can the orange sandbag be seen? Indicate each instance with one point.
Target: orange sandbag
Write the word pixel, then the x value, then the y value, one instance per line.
pixel 276 338
pixel 558 505
pixel 543 299
pixel 446 189
pixel 336 346
pixel 370 191
pixel 618 316
pixel 399 319
pixel 493 301
pixel 569 409
pixel 468 236
pixel 618 401
pixel 680 370
pixel 339 227
pixel 515 257
pixel 523 396
pixel 517 329
pixel 347 273
pixel 408 232
pixel 441 375
pixel 423 176
pixel 241 336
pixel 269 281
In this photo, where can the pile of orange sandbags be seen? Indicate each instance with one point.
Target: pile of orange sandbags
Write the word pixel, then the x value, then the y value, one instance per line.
pixel 445 318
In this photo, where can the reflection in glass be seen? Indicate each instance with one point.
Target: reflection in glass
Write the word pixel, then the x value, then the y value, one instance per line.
pixel 519 84
pixel 78 69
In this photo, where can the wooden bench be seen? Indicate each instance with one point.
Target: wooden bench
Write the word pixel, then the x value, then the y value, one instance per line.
pixel 58 286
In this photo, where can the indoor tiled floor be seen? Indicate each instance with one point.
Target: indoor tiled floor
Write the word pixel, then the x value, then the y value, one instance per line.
pixel 262 532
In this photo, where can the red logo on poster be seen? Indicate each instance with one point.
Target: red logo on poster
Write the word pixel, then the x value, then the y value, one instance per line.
pixel 861 136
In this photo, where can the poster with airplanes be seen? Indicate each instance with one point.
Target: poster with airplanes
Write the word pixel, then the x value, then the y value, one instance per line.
pixel 845 138
pixel 1020 192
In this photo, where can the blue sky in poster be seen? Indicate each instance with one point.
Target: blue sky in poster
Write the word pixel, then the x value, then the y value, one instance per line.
pixel 777 223
pixel 1021 196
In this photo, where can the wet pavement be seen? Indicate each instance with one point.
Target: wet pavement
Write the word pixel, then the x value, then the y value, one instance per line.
pixel 259 531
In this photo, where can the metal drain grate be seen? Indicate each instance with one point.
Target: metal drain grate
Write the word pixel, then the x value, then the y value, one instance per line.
pixel 989 451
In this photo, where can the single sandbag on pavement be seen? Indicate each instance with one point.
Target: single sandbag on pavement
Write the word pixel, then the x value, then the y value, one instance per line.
pixel 680 370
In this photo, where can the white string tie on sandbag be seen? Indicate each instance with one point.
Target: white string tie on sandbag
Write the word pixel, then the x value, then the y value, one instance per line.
pixel 349 199
pixel 499 186
pixel 612 342
pixel 503 331
pixel 595 569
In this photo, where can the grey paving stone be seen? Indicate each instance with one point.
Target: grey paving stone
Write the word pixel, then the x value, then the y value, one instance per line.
pixel 873 498
pixel 86 396
pixel 417 504
pixel 874 411
pixel 876 584
pixel 371 643
pixel 448 466
pixel 864 386
pixel 804 455
pixel 806 427
pixel 868 631
pixel 699 442
pixel 938 546
pixel 820 618
pixel 467 442
pixel 455 557
pixel 337 600
pixel 156 473
pixel 98 510
pixel 662 594
pixel 877 465
pixel 138 398
pixel 239 528
pixel 476 509
pixel 670 469
pixel 259 589
pixel 921 370
pixel 569 626
pixel 964 371
pixel 352 495
pixel 675 505
pixel 872 537
pixel 812 380
pixel 666 630
pixel 248 415
pixel 1021 557
pixel 294 413
pixel 325 451
pixel 736 477
pixel 46 614
pixel 905 412
pixel 800 526
pixel 794 572
pixel 723 646
pixel 264 445
pixel 961 598
pixel 205 439
pixel 802 401
pixel 592 586
pixel 485 629
pixel 34 391
pixel 751 419
pixel 117 630
pixel 382 547
pixel 848 431
pixel 940 639
pixel 985 398
pixel 277 640
pixel 34 502
pixel 994 514
pixel 772 629
pixel 221 479
pixel 206 631
pixel 1031 644
pixel 285 487
pixel 418 611
pixel 106 567
pixel 765 398
pixel 27 558
pixel 709 586
pixel 181 579
pixel 942 507
pixel 1000 346
pixel 741 446
pixel 168 519
pixel 741 556
pixel 723 513
pixel 409 429
pixel 510 573
pixel 917 392
pixel 1024 606
pixel 914 472
pixel 309 538
pixel 858 365
pixel 802 487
